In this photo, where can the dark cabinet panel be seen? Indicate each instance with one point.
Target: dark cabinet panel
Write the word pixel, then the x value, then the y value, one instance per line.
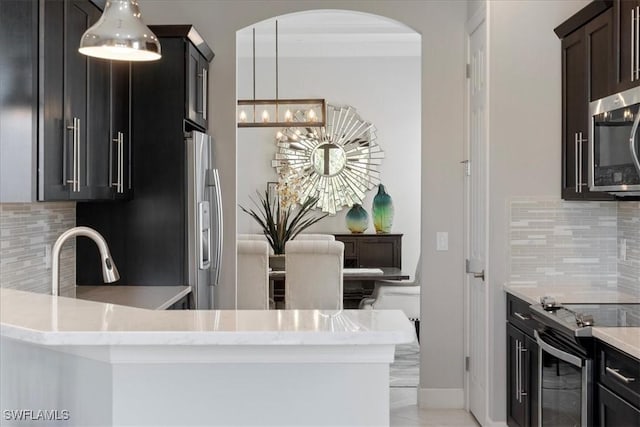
pixel 522 365
pixel 372 250
pixel 586 75
pixel 626 37
pixel 613 411
pixel 120 131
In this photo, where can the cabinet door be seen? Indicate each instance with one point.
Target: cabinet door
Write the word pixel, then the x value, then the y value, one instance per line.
pixel 613 411
pixel 626 49
pixel 531 379
pixel 53 153
pixel 120 141
pixel 379 252
pixel 193 101
pixel 516 403
pixel 203 74
pixel 574 107
pixel 599 44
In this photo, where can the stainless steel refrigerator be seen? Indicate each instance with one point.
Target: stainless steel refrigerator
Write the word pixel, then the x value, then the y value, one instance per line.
pixel 204 220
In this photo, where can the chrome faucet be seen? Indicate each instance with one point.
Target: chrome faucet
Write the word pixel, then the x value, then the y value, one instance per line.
pixel 109 270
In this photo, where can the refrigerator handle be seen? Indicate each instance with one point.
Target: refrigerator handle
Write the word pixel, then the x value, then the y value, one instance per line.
pixel 218 225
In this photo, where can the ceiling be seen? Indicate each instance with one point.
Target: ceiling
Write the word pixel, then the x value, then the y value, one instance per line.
pixel 330 33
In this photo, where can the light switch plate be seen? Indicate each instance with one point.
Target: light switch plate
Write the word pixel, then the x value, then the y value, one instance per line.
pixel 622 250
pixel 442 241
pixel 47 256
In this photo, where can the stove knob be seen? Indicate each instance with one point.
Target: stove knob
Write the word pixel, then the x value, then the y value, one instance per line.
pixel 585 320
pixel 547 302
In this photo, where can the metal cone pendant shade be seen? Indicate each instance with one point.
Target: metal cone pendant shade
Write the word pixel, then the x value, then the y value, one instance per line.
pixel 121 35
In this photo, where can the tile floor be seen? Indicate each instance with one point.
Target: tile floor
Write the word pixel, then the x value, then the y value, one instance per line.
pixel 405 412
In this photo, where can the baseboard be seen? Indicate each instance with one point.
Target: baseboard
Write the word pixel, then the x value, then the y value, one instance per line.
pixel 441 398
pixel 492 423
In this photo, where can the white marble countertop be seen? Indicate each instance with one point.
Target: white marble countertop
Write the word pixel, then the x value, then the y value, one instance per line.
pixel 46 320
pixel 149 297
pixel 626 339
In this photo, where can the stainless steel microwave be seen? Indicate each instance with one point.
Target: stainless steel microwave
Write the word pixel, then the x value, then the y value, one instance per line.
pixel 614 144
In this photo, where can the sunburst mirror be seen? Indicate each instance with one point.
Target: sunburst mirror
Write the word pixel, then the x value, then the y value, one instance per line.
pixel 338 162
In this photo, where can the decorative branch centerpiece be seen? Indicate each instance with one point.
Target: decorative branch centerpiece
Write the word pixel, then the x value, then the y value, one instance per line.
pixel 284 216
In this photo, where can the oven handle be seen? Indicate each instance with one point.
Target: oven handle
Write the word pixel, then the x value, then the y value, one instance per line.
pixel 632 143
pixel 562 355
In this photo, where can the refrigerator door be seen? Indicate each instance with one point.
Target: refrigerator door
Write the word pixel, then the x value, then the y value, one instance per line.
pixel 199 236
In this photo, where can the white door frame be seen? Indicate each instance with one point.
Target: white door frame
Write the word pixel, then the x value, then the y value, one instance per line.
pixel 472 24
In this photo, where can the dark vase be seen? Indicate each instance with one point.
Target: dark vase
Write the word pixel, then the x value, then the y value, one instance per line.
pixel 382 211
pixel 357 219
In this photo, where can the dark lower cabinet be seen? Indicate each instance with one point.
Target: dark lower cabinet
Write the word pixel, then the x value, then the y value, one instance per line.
pixel 522 365
pixel 522 362
pixel 618 387
pixel 613 411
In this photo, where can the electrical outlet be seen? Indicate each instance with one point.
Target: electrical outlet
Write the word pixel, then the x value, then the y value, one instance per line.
pixel 442 241
pixel 622 250
pixel 47 256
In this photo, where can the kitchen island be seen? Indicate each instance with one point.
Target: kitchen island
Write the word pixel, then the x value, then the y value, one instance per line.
pixel 113 365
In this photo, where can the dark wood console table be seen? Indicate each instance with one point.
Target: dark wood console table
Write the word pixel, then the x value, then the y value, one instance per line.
pixel 372 250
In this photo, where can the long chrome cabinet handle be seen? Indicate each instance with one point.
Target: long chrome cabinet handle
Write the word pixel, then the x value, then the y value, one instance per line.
pixel 616 373
pixel 522 351
pixel 120 163
pixel 632 142
pixel 637 42
pixel 633 49
pixel 205 97
pixel 517 370
pixel 575 141
pixel 581 140
pixel 75 175
pixel 78 159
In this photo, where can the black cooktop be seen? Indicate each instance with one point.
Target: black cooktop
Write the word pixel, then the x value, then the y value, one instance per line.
pixel 607 315
pixel 577 319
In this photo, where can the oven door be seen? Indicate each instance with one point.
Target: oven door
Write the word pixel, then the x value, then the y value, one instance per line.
pixel 614 143
pixel 565 394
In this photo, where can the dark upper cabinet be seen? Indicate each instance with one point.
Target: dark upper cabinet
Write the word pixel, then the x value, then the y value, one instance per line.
pixel 586 75
pixel 120 131
pixel 197 56
pixel 71 100
pixel 626 35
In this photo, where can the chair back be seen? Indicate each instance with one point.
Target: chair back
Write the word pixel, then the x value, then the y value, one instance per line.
pixel 256 236
pixel 312 236
pixel 252 291
pixel 314 274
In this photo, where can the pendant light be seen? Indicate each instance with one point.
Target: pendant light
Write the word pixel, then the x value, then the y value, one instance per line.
pixel 278 112
pixel 120 35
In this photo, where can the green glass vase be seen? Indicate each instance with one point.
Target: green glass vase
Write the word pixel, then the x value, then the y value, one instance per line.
pixel 357 219
pixel 382 211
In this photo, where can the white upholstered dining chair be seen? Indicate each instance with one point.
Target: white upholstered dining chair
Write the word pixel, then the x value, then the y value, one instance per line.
pixel 314 274
pixel 398 295
pixel 253 275
pixel 313 236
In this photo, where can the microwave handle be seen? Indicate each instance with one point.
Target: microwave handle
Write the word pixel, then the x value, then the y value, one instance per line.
pixel 633 141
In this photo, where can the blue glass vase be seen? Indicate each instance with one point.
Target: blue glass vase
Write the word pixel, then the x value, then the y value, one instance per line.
pixel 357 219
pixel 382 211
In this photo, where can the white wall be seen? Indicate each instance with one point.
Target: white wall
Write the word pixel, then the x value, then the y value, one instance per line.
pixel 384 91
pixel 524 140
pixel 441 24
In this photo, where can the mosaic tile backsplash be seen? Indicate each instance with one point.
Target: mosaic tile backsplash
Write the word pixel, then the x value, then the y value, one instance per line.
pixel 629 242
pixel 25 230
pixel 553 242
